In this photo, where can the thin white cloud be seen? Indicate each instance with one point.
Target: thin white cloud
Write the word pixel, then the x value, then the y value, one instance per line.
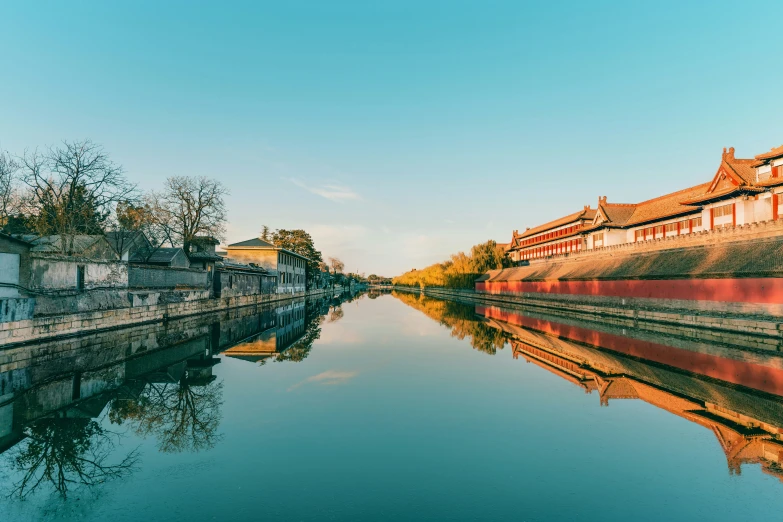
pixel 327 378
pixel 332 192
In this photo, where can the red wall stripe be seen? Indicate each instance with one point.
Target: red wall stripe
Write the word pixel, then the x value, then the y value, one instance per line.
pixel 744 290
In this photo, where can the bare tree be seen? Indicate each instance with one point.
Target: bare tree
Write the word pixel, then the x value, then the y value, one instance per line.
pixel 8 197
pixel 73 189
pixel 135 229
pixel 63 453
pixel 183 416
pixel 337 265
pixel 188 207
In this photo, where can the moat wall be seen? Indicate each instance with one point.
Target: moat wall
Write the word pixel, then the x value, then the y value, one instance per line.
pixel 734 271
pixel 37 329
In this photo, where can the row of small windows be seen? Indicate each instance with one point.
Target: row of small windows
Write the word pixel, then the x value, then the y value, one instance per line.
pixel 564 247
pixel 296 279
pixel 293 262
pixel 725 210
pixel 686 226
pixel 551 235
pixel 289 260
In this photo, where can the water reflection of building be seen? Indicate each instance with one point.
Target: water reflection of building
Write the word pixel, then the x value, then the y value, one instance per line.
pixel 747 423
pixel 282 328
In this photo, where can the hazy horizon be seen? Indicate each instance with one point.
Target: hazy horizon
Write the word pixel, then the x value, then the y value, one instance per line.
pixel 398 134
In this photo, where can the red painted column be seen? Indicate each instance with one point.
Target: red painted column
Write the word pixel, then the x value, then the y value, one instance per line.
pixel 774 206
pixel 712 218
pixel 734 214
pixel 690 226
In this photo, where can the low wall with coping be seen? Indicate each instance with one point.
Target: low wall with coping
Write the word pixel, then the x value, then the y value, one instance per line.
pixel 37 329
pixel 51 273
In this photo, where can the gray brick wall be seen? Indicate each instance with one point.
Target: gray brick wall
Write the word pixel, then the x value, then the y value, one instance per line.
pixel 163 277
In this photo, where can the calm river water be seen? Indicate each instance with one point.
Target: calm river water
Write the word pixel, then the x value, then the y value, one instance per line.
pixel 389 407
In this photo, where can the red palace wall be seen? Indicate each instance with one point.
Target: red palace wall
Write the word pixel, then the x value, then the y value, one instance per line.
pixel 740 290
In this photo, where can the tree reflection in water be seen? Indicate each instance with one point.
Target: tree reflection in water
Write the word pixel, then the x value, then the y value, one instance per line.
pixel 460 318
pixel 182 416
pixel 299 351
pixel 336 314
pixel 65 453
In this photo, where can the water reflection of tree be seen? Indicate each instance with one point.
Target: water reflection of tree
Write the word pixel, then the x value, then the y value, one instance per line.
pixel 65 453
pixel 315 312
pixel 336 314
pixel 181 416
pixel 299 351
pixel 460 318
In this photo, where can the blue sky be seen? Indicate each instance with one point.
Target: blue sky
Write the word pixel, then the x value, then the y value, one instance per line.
pixel 399 132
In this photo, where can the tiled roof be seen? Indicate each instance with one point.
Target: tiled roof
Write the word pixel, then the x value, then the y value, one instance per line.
pixel 205 256
pixel 262 245
pixel 14 238
pixel 125 239
pixel 234 265
pixel 719 194
pixel 618 213
pixel 161 255
pixel 255 242
pixel 582 214
pixel 676 203
pixel 666 205
pixel 761 159
pixel 743 168
pixel 770 182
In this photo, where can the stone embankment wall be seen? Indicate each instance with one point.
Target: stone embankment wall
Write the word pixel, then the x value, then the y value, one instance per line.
pixel 16 308
pixel 41 328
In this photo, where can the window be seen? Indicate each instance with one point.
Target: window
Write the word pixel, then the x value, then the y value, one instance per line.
pixel 725 210
pixel 76 386
pixel 639 235
pixel 598 240
pixel 80 278
pixel 671 227
pixel 696 222
pixel 659 230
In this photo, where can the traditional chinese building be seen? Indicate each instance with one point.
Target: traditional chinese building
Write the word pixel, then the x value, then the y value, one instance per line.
pixel 742 191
